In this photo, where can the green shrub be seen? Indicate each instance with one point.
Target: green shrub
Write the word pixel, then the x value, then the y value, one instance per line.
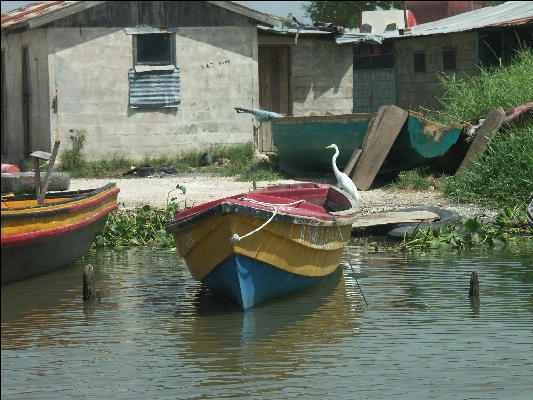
pixel 505 86
pixel 503 175
pixel 72 159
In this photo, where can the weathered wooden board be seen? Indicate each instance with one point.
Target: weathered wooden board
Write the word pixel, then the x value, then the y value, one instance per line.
pixel 380 139
pixel 371 130
pixel 352 161
pixel 394 217
pixel 490 126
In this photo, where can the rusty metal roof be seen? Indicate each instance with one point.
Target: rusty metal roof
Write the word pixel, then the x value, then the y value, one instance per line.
pixel 23 15
pixel 511 13
pixel 37 9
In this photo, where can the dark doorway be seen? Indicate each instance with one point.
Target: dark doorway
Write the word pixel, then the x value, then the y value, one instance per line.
pixel 274 79
pixel 4 105
pixel 26 101
pixel 274 93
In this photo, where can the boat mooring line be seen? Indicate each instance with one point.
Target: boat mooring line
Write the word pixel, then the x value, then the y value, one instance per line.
pixel 349 262
pixel 236 238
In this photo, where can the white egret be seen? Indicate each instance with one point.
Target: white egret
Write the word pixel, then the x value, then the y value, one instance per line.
pixel 342 179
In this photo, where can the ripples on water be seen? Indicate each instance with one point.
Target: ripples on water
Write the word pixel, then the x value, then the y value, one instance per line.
pixel 159 334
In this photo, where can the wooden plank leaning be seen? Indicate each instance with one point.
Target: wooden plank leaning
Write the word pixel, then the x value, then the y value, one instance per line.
pixel 385 129
pixel 42 194
pixel 486 131
pixel 352 162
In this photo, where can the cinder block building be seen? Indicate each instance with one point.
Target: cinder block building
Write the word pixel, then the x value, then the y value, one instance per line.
pixel 139 78
pixel 402 66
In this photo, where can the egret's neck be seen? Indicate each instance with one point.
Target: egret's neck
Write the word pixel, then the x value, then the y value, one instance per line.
pixel 334 162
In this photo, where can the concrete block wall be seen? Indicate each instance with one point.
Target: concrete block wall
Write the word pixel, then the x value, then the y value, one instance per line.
pixel 321 77
pixel 373 88
pixel 89 76
pixel 417 88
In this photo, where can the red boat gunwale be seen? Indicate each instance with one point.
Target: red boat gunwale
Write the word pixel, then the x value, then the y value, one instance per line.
pixel 22 239
pixel 313 211
pixel 68 209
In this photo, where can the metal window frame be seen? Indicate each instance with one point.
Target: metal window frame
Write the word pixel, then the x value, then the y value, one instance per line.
pixel 172 49
pixel 418 53
pixel 449 49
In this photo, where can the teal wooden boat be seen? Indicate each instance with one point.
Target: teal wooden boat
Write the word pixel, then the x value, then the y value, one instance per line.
pixel 420 141
pixel 300 141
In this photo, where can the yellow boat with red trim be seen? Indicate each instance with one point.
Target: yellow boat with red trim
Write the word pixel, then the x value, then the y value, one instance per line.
pixel 40 238
pixel 292 237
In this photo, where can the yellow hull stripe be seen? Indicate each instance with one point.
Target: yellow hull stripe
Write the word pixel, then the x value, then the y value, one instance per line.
pixel 296 248
pixel 26 224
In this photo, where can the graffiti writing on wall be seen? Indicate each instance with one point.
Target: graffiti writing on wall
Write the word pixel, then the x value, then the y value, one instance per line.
pixel 214 64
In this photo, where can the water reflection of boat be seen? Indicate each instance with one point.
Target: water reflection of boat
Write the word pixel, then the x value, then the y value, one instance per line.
pixel 315 316
pixel 38 238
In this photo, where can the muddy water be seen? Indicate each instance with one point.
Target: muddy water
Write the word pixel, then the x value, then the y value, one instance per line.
pixel 159 334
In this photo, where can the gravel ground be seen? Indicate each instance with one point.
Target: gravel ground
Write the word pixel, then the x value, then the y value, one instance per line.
pixel 200 188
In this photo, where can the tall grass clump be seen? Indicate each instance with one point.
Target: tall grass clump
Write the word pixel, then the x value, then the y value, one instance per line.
pixel 501 176
pixel 505 86
pixel 72 159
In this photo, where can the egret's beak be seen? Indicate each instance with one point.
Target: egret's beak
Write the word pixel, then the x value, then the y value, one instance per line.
pixel 329 147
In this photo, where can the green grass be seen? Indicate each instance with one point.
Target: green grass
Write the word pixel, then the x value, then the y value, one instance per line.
pixel 505 86
pixel 414 179
pixel 502 176
pixel 242 163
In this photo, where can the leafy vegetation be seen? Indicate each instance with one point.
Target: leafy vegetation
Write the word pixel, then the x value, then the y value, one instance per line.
pixel 505 229
pixel 503 86
pixel 74 161
pixel 345 13
pixel 508 228
pixel 502 176
pixel 235 160
pixel 140 227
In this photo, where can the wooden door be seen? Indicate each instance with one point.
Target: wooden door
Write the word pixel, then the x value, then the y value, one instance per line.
pixel 274 94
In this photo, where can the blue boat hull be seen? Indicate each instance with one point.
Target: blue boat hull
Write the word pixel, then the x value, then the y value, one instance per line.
pixel 249 281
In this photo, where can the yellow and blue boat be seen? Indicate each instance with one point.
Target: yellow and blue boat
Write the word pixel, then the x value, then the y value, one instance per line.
pixel 38 238
pixel 267 243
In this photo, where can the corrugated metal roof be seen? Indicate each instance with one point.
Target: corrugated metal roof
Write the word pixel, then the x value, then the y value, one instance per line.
pixel 292 31
pixel 37 9
pixel 40 8
pixel 512 13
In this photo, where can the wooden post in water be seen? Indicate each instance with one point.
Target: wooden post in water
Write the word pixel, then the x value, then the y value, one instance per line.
pixel 90 293
pixel 474 286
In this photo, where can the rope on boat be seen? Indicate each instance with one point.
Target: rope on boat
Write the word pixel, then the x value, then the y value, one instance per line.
pixel 236 238
pixel 349 262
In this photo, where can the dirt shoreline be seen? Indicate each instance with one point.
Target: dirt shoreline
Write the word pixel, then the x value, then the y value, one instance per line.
pixel 200 188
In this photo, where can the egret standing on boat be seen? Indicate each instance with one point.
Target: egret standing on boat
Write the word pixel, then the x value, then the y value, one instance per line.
pixel 342 179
